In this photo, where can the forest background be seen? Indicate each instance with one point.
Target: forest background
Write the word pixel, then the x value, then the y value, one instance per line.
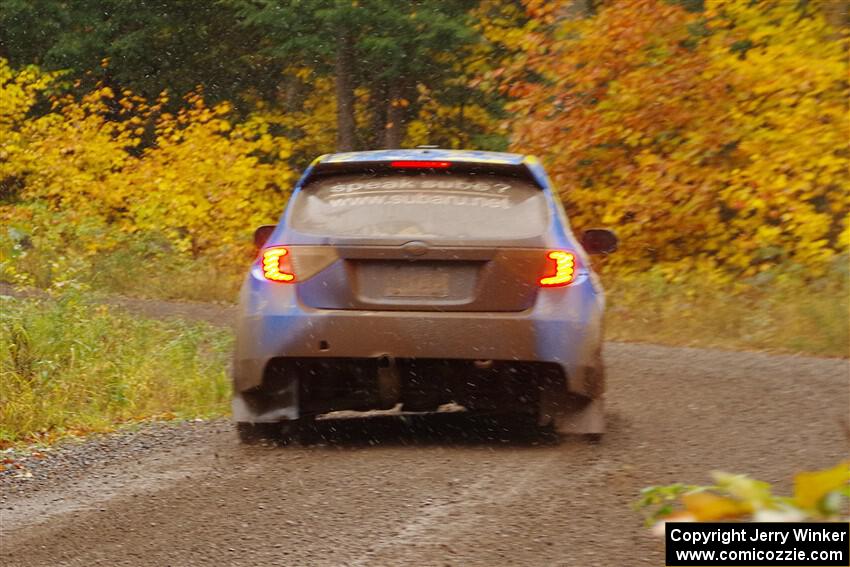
pixel 141 141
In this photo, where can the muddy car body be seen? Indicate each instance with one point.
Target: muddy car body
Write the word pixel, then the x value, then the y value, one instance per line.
pixel 421 278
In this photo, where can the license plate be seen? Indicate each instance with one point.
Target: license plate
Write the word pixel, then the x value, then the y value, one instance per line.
pixel 413 281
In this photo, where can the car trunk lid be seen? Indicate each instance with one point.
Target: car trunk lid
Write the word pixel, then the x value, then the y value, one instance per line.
pixel 416 277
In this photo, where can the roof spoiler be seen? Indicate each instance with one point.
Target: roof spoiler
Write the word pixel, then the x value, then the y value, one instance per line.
pixel 325 169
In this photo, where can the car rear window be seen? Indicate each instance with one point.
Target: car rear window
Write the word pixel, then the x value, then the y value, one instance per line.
pixel 437 205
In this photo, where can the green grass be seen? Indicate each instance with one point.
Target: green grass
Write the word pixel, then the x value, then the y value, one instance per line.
pixel 128 272
pixel 70 367
pixel 49 249
pixel 786 313
pixel 140 269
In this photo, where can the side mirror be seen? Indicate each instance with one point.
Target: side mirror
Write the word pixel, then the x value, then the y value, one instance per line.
pixel 599 241
pixel 262 234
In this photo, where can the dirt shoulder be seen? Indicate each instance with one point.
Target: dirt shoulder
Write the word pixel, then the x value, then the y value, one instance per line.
pixel 215 313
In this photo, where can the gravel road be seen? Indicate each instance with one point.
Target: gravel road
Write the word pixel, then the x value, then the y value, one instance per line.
pixel 442 490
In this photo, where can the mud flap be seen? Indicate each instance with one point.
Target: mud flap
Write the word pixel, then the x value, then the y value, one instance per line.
pixel 583 416
pixel 571 413
pixel 267 409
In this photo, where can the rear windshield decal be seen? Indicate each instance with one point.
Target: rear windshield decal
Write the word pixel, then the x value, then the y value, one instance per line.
pixel 420 184
pixel 418 199
pixel 450 205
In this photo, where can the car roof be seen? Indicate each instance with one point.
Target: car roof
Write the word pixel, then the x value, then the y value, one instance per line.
pixel 469 156
pixel 351 162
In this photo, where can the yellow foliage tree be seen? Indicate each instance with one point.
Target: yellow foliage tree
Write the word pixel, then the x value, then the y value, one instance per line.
pixel 191 176
pixel 206 183
pixel 785 71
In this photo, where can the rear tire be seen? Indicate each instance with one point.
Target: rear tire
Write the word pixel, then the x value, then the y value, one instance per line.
pixel 303 430
pixel 253 433
pixel 525 426
pixel 282 432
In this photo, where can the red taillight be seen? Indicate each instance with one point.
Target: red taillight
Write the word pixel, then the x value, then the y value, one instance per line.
pixel 560 269
pixel 276 265
pixel 419 164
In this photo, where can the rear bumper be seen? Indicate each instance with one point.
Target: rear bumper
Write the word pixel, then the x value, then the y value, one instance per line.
pixel 563 327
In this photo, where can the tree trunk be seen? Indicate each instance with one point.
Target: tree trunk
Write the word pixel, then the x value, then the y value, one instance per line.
pixel 463 137
pixel 379 105
pixel 837 13
pixel 345 124
pixel 578 9
pixel 396 114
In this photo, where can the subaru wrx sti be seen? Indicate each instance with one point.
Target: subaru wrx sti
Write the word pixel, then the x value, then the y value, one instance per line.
pixel 412 279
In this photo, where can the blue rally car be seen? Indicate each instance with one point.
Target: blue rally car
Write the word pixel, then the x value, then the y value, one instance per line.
pixel 421 278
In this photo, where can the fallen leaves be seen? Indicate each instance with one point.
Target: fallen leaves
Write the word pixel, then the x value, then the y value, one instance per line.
pixel 811 487
pixel 818 495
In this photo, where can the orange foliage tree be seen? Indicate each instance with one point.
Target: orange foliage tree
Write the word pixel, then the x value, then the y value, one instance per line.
pixel 706 140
